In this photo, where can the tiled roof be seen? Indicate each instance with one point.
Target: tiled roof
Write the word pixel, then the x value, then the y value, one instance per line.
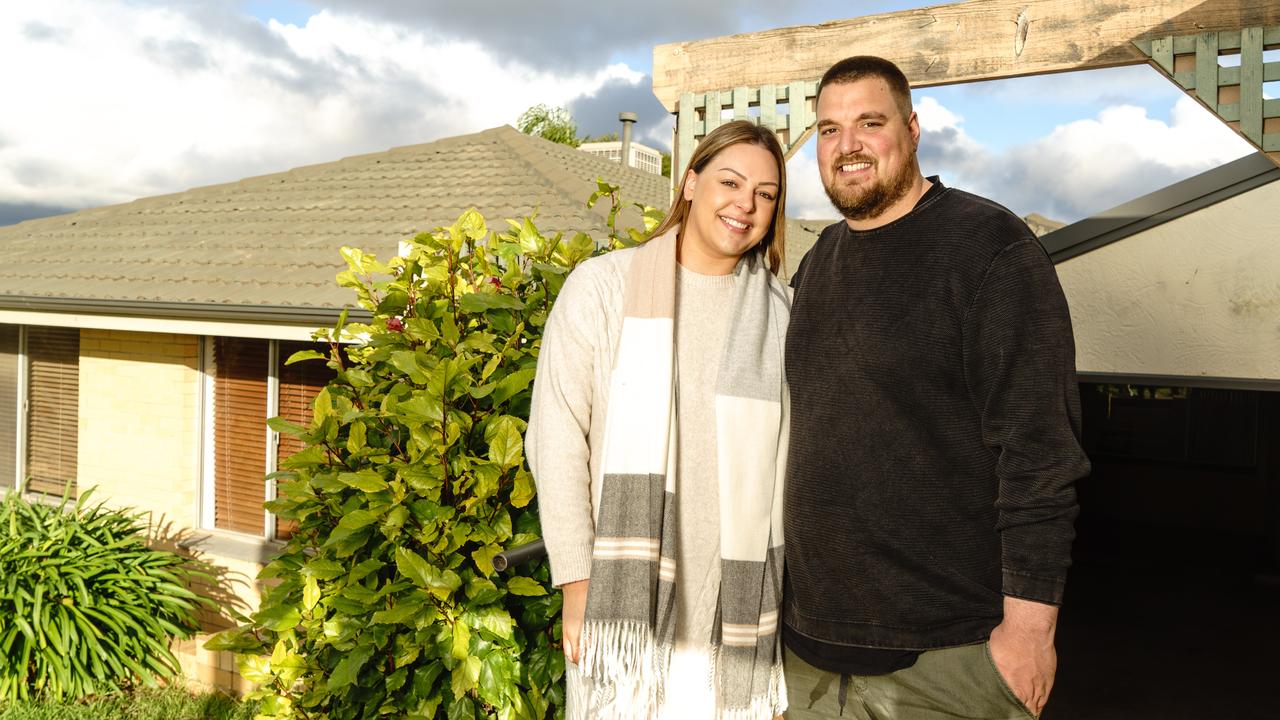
pixel 273 240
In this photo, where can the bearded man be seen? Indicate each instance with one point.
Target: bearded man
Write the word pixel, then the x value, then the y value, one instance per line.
pixel 930 493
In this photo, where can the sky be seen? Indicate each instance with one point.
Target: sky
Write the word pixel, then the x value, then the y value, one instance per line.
pixel 106 101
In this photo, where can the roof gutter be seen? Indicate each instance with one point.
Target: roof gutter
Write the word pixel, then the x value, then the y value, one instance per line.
pixel 167 310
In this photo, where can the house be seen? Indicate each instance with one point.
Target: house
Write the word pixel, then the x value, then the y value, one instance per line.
pixel 142 345
pixel 642 157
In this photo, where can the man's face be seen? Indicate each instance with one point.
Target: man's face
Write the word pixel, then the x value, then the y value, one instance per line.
pixel 866 149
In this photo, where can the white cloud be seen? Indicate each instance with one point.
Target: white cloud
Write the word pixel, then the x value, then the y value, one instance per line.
pixel 1078 169
pixel 1085 166
pixel 1092 165
pixel 805 196
pixel 106 102
pixel 933 116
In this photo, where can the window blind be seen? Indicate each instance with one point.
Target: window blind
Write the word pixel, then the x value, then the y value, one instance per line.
pixel 53 395
pixel 8 406
pixel 240 433
pixel 299 385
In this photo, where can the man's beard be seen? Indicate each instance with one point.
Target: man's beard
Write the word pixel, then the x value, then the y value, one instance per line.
pixel 866 203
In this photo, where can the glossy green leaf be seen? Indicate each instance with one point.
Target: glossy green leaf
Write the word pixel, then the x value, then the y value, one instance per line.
pixel 366 480
pixel 465 676
pixel 506 447
pixel 349 666
pixel 520 585
pixel 310 593
pixel 480 302
pixel 301 355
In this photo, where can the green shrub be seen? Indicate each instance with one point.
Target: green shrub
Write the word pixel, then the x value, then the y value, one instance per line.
pixel 386 602
pixel 85 606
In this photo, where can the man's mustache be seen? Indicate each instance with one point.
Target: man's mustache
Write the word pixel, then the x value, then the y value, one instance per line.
pixel 851 159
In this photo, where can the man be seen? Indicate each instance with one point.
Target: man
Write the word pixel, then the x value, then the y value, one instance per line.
pixel 935 437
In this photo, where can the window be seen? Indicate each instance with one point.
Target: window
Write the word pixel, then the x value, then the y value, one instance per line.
pixel 239 433
pixel 53 403
pixel 249 383
pixel 298 386
pixel 39 407
pixel 9 405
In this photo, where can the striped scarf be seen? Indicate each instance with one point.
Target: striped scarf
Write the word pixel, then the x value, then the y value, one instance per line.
pixel 629 628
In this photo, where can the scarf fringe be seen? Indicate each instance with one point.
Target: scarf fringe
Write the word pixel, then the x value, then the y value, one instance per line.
pixel 619 649
pixel 766 707
pixel 763 707
pixel 577 696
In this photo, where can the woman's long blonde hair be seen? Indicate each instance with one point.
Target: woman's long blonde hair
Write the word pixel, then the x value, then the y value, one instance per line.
pixel 773 245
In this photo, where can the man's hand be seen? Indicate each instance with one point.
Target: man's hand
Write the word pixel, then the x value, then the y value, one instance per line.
pixel 1022 648
pixel 575 609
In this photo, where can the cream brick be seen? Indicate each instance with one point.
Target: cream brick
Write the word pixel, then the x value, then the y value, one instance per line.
pixel 138 428
pixel 139 442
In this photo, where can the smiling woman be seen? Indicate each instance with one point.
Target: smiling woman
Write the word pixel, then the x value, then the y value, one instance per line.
pixel 654 442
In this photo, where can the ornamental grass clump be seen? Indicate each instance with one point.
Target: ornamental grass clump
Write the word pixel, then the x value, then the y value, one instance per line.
pixel 385 601
pixel 86 607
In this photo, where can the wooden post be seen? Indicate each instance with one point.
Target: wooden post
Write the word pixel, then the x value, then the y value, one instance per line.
pixel 714 106
pixel 796 117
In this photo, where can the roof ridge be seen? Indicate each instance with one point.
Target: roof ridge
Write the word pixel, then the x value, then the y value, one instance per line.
pixel 533 151
pixel 525 147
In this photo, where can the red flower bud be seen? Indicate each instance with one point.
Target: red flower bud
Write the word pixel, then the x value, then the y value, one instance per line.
pixel 395 324
pixel 495 282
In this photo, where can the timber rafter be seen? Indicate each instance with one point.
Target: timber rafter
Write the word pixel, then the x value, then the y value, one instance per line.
pixel 702 80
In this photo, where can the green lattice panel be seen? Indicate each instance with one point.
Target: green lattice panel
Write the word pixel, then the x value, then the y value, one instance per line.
pixel 785 109
pixel 1192 62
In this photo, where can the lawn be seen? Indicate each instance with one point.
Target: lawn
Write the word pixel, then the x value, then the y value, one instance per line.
pixel 164 704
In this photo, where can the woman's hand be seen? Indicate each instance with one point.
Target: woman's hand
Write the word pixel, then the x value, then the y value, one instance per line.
pixel 575 609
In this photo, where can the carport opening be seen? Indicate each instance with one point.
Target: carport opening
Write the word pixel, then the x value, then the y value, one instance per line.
pixel 1173 602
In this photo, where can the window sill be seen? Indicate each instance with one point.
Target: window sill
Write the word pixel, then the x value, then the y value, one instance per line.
pixel 233 545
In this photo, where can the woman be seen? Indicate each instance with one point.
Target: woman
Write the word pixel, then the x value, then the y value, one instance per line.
pixel 657 442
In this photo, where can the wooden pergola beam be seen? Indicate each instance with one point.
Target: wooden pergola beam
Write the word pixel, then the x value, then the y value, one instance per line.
pixel 965 42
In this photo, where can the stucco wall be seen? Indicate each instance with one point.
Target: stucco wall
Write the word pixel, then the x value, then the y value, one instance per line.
pixel 1196 296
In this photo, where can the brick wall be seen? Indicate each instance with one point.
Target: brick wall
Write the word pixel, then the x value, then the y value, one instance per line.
pixel 140 422
pixel 139 444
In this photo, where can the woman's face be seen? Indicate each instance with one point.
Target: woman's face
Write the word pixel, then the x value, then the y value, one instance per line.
pixel 732 203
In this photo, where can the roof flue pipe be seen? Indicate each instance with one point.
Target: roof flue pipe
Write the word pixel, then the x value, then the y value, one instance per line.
pixel 628 119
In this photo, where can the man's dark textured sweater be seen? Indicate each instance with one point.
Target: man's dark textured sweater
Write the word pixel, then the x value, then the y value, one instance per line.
pixel 935 429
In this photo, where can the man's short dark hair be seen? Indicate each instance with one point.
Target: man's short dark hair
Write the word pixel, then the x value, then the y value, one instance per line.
pixel 853 69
